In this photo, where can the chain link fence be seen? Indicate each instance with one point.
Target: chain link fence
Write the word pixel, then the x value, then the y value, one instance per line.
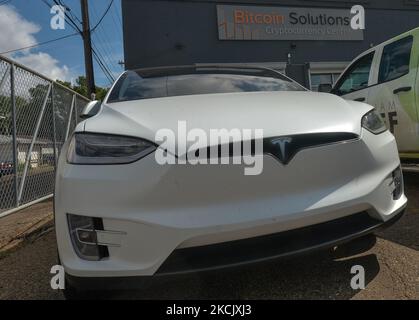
pixel 36 117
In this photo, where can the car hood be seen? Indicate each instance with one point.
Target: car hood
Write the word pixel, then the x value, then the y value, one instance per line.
pixel 277 113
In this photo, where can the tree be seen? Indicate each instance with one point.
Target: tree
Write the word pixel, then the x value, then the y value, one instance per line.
pixel 81 88
pixel 6 127
pixel 5 116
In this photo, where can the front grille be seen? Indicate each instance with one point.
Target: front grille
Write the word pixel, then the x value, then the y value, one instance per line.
pixel 283 148
pixel 269 246
pixel 286 147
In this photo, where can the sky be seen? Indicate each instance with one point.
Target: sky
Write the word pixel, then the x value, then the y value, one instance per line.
pixel 25 23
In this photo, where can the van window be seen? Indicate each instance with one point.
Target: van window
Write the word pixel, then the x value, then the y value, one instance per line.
pixel 356 77
pixel 395 59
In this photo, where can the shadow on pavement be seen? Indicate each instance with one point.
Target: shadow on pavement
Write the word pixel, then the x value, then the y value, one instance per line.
pixel 406 231
pixel 324 275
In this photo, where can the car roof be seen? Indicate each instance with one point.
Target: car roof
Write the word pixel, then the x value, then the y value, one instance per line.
pixel 413 32
pixel 207 68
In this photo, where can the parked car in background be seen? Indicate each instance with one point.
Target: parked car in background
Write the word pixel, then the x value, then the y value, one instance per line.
pixel 386 77
pixel 6 168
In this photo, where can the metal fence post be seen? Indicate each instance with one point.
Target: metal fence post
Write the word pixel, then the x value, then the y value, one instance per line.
pixel 3 80
pixel 25 185
pixel 29 154
pixel 54 129
pixel 67 132
pixel 14 132
pixel 76 114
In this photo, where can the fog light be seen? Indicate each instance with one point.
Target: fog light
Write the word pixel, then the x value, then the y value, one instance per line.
pixel 398 183
pixel 84 237
pixel 87 236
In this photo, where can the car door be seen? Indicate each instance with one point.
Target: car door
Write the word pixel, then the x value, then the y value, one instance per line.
pixel 355 81
pixel 394 92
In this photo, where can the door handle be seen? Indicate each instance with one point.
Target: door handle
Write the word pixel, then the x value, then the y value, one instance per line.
pixel 360 99
pixel 402 89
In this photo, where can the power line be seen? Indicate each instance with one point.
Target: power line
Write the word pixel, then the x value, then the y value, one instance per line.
pixel 72 24
pixel 108 70
pixel 114 14
pixel 70 12
pixel 101 37
pixel 103 16
pixel 103 67
pixel 69 20
pixel 100 56
pixel 105 48
pixel 41 43
pixel 87 42
pixel 117 26
pixel 118 16
pixel 97 55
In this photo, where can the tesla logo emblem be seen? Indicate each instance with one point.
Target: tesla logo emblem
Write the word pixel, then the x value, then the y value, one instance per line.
pixel 282 143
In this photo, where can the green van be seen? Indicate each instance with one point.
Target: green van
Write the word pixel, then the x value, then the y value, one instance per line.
pixel 386 76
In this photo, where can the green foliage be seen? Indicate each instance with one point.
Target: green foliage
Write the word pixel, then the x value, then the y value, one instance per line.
pixel 81 88
pixel 6 113
pixel 28 106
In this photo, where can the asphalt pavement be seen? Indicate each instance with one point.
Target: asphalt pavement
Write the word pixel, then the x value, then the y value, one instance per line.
pixel 390 260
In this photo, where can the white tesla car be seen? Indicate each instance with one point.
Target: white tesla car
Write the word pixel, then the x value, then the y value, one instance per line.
pixel 328 172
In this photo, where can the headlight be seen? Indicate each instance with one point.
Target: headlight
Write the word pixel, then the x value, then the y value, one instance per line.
pixel 93 148
pixel 373 122
pixel 398 183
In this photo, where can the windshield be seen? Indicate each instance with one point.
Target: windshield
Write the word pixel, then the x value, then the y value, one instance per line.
pixel 143 84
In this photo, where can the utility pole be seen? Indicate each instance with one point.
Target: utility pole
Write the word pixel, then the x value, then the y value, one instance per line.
pixel 88 58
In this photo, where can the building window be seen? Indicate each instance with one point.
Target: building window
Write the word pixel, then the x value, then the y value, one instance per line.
pixel 323 78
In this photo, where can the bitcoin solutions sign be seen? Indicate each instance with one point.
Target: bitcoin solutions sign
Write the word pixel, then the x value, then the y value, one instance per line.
pixel 284 23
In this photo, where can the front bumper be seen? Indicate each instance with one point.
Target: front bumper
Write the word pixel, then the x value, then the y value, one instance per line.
pixel 254 250
pixel 161 211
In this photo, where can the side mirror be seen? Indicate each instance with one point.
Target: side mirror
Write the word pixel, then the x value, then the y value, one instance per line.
pixel 91 109
pixel 325 87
